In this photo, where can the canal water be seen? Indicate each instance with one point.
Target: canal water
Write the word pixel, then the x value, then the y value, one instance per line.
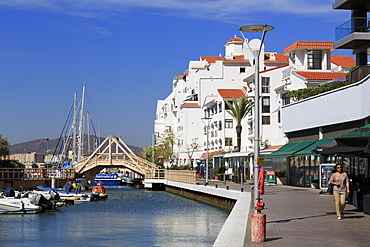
pixel 129 217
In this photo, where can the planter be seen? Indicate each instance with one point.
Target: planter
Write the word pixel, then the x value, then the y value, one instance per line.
pixel 314 185
pixel 281 180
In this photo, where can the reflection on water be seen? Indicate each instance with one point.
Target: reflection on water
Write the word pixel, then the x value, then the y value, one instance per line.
pixel 128 218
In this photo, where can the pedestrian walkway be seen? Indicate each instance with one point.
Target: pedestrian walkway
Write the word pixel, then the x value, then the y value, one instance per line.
pixel 297 216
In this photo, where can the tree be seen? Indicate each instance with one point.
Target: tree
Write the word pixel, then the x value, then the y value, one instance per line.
pixel 191 149
pixel 4 147
pixel 239 109
pixel 165 146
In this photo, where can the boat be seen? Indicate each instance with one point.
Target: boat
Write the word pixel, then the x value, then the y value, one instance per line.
pixel 107 179
pixel 73 195
pixel 13 205
pixel 23 202
pixel 98 192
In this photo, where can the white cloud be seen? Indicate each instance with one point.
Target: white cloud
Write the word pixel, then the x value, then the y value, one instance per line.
pixel 208 9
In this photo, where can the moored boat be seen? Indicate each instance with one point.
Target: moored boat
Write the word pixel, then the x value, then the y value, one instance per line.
pixel 98 192
pixel 73 195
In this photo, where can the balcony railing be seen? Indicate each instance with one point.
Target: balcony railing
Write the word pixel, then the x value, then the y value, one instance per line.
pixel 357 24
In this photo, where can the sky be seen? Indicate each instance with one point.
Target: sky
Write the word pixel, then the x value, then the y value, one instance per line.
pixel 126 52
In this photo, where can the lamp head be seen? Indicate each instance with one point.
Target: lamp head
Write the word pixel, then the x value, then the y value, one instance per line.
pixel 256 28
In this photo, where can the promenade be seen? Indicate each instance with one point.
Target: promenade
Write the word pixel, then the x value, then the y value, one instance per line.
pixel 297 216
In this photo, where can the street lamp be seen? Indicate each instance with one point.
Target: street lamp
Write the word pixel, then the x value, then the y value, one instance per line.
pixel 207 153
pixel 257 107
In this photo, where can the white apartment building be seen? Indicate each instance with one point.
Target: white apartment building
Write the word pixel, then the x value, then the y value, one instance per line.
pixel 199 94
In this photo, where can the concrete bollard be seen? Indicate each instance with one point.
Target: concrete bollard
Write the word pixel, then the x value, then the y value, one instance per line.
pixel 258 228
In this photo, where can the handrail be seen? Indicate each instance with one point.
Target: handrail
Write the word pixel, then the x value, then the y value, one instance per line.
pixel 12 174
pixel 357 24
pixel 181 176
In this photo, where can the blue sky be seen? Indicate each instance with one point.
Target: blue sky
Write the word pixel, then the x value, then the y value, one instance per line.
pixel 126 53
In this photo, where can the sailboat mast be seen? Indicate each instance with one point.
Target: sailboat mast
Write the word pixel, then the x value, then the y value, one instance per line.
pixel 74 127
pixel 81 125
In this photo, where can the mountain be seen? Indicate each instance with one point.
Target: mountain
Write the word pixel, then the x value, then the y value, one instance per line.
pixel 41 145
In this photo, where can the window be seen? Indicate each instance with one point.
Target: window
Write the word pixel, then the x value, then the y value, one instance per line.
pixel 279 117
pixel 220 107
pixel 265 104
pixel 228 123
pixel 228 141
pixel 285 98
pixel 314 59
pixel 265 120
pixel 265 84
pixel 227 106
pixel 242 70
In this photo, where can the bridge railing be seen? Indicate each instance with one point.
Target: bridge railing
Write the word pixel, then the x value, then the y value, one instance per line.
pixel 11 174
pixel 181 176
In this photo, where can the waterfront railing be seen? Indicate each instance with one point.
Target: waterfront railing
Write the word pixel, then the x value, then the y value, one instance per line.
pixel 12 174
pixel 181 176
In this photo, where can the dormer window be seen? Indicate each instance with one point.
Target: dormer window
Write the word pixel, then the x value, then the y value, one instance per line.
pixel 314 59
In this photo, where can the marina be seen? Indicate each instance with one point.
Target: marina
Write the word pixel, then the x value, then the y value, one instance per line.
pixel 129 217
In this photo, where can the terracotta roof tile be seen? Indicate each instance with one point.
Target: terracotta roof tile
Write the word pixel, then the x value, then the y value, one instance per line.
pixel 180 75
pixel 189 104
pixel 229 93
pixel 204 155
pixel 324 76
pixel 319 45
pixel 212 59
pixel 235 39
pixel 280 58
pixel 344 61
pixel 278 67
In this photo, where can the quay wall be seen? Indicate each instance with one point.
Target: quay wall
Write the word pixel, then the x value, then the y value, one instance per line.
pixel 234 231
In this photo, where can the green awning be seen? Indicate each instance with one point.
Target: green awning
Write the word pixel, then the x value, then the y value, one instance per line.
pixel 308 150
pixel 289 149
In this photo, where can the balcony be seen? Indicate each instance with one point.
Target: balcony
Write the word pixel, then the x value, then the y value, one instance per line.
pixel 353 34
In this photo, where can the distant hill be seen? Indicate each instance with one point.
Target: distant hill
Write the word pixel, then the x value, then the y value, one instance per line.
pixel 40 146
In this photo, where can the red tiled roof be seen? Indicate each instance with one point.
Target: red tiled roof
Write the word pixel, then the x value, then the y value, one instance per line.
pixel 180 75
pixel 229 93
pixel 209 154
pixel 275 147
pixel 239 58
pixel 234 39
pixel 212 59
pixel 319 45
pixel 324 76
pixel 344 61
pixel 280 58
pixel 189 104
pixel 278 67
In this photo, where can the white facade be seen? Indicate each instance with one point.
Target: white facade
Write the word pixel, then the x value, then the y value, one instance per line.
pixel 202 89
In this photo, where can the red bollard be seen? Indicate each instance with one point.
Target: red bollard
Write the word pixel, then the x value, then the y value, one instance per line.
pixel 259 224
pixel 258 227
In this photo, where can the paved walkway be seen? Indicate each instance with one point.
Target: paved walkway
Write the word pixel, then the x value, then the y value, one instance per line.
pixel 297 216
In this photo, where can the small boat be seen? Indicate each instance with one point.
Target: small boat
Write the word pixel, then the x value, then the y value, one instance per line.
pixel 98 192
pixel 23 202
pixel 12 205
pixel 73 195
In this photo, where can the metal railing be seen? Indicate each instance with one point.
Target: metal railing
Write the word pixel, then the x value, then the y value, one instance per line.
pixel 12 174
pixel 181 176
pixel 361 25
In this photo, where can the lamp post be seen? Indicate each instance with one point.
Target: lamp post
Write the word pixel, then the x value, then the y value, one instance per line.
pixel 47 147
pixel 207 153
pixel 258 219
pixel 257 105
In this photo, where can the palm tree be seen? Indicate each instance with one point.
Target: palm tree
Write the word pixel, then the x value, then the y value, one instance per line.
pixel 239 109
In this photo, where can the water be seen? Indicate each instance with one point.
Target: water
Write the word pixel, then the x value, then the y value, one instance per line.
pixel 129 217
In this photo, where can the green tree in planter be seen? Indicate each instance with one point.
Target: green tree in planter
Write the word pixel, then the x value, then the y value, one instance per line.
pixel 239 109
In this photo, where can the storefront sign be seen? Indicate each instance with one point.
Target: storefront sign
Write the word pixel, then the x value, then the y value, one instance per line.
pixel 270 176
